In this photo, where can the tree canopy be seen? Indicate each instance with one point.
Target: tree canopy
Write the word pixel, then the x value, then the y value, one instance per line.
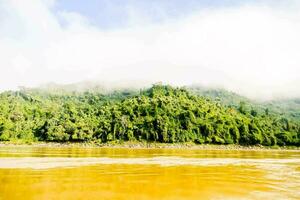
pixel 159 114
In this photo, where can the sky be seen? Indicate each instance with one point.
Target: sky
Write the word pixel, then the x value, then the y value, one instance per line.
pixel 251 47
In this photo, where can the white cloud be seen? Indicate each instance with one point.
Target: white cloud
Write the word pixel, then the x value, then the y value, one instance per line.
pixel 254 49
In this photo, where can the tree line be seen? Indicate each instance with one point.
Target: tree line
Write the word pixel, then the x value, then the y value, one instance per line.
pixel 159 114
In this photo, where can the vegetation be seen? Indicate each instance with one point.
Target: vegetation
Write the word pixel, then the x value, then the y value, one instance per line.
pixel 159 114
pixel 288 108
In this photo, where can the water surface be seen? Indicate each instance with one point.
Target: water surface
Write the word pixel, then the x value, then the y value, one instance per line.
pixel 103 173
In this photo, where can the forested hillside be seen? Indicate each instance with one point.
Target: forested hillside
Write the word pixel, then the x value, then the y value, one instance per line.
pixel 288 108
pixel 159 114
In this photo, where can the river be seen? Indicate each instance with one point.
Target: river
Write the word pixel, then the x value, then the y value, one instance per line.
pixel 142 174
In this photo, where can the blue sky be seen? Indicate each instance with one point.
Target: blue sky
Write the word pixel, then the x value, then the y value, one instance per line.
pixel 114 13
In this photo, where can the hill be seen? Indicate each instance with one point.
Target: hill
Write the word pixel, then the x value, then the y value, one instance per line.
pixel 160 114
pixel 289 108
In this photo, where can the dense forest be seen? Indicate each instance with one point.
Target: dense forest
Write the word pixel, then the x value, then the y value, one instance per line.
pixel 288 108
pixel 158 114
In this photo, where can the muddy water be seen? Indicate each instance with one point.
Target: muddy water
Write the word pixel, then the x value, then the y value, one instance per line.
pixel 91 173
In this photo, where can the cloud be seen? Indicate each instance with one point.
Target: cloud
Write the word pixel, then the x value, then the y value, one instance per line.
pixel 250 49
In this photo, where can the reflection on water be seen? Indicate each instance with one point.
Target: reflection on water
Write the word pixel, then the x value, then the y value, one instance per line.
pixel 12 151
pixel 91 173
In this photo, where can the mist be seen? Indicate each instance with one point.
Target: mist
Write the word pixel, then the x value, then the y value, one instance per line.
pixel 252 49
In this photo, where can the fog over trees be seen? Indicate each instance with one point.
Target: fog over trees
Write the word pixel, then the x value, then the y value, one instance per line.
pixel 159 114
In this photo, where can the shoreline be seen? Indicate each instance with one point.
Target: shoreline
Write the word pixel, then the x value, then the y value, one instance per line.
pixel 145 145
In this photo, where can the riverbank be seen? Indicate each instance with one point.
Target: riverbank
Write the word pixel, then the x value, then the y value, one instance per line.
pixel 147 145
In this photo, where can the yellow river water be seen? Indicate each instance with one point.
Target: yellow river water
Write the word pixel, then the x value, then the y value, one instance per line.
pixel 110 173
